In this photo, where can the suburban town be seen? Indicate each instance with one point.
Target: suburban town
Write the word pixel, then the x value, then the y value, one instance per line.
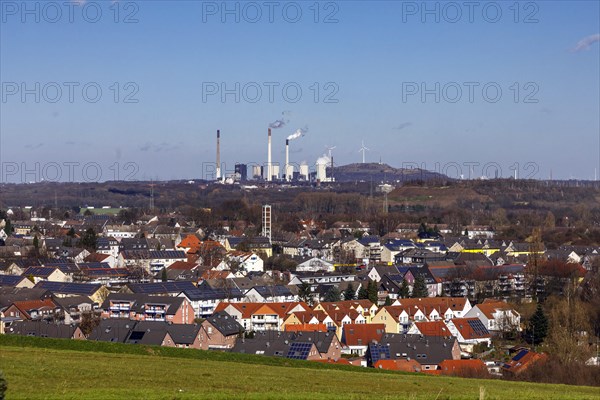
pixel 422 299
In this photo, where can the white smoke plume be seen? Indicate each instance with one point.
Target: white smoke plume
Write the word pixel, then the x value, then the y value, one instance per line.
pixel 586 42
pixel 299 133
pixel 280 123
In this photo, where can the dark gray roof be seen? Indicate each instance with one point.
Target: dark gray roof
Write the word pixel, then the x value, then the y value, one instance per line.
pixel 225 323
pixel 41 329
pixel 72 301
pixel 273 343
pixel 9 295
pixel 180 333
pixel 273 290
pixel 112 330
pixel 141 334
pixel 138 301
pixel 423 349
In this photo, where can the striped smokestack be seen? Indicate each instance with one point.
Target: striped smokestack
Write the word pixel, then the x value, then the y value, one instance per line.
pixel 218 175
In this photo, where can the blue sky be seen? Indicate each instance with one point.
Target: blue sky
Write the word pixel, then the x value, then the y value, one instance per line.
pixel 172 52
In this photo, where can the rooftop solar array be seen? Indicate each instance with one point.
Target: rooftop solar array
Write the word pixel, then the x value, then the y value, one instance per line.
pixel 162 254
pixel 10 280
pixel 520 355
pixel 94 265
pixel 379 352
pixel 69 288
pixel 299 350
pixel 478 327
pixel 162 287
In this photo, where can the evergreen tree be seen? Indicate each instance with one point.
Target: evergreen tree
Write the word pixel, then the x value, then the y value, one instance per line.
pixel 363 293
pixel 333 294
pixel 8 229
pixel 388 301
pixel 89 239
pixel 420 287
pixel 372 292
pixel 349 293
pixel 404 290
pixel 304 293
pixel 537 329
pixel 164 276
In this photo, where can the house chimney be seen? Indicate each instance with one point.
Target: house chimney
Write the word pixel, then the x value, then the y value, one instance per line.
pixel 218 175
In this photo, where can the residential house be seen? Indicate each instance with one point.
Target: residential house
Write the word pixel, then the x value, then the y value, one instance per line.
pixel 469 332
pixel 315 264
pixel 96 292
pixel 357 337
pixel 74 307
pixel 16 281
pixel 497 316
pixel 52 274
pixel 393 247
pixel 261 316
pixel 429 352
pixel 142 307
pixel 295 345
pixel 44 329
pixel 523 360
pixel 33 310
pixel 269 293
pixel 108 246
pixel 219 331
pixel 98 257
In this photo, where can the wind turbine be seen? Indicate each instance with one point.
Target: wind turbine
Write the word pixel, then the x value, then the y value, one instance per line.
pixel 363 149
pixel 329 150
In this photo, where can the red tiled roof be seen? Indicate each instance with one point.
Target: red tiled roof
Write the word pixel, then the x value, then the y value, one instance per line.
pixel 28 305
pixel 183 265
pixel 433 328
pixel 465 329
pixel 96 257
pixel 399 365
pixel 523 359
pixel 306 328
pixel 362 334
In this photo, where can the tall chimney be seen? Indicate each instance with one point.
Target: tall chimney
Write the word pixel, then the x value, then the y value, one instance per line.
pixel 269 170
pixel 331 172
pixel 218 155
pixel 287 160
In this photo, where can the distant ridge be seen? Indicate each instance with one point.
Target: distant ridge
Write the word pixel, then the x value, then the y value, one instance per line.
pixel 381 172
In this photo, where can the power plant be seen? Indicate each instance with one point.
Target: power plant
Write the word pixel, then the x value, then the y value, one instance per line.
pixel 272 171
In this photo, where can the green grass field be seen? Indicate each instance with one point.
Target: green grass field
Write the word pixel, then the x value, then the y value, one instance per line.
pixel 61 369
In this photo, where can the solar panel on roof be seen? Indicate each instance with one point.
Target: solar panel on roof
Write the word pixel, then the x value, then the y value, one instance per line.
pixel 379 352
pixel 520 355
pixel 299 350
pixel 478 327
